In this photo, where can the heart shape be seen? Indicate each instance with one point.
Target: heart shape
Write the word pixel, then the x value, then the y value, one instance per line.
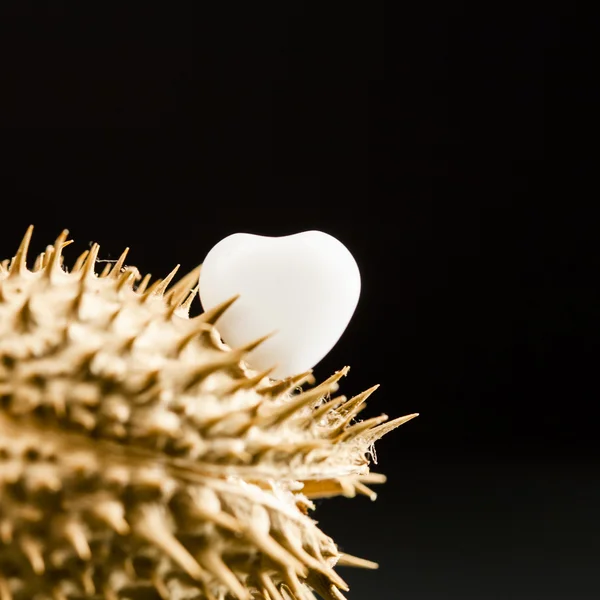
pixel 304 287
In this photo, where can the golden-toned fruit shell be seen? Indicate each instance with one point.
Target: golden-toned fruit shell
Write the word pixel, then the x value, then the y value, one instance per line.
pixel 141 458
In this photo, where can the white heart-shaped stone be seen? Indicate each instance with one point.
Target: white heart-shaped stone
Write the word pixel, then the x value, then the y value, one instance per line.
pixel 304 287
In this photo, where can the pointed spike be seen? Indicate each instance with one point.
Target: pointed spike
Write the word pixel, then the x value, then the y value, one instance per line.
pixel 212 562
pixel 162 288
pixel 141 288
pixel 54 261
pixel 249 382
pixel 150 524
pixel 33 551
pixel 187 304
pixel 19 262
pixel 347 560
pixel 358 400
pixel 275 551
pixel 151 291
pixel 321 411
pixel 212 316
pixel 75 533
pixel 247 348
pixel 47 255
pixel 288 384
pixel 359 428
pixel 174 303
pixel 116 269
pixel 379 431
pixel 200 372
pixel 184 285
pixel 201 329
pixel 291 543
pixel 127 279
pixel 350 410
pixel 304 399
pixel 336 594
pixel 39 263
pixel 79 262
pixel 269 586
pixel 105 271
pixel 87 270
pixel 112 512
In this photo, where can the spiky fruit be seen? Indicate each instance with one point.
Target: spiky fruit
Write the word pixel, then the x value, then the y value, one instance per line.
pixel 141 458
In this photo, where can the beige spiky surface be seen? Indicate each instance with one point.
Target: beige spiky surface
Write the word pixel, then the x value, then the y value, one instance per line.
pixel 141 458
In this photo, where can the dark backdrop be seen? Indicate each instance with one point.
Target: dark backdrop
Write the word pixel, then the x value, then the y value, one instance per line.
pixel 449 148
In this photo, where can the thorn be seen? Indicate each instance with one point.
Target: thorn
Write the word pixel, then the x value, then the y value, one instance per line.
pixel 347 560
pixel 75 533
pixel 33 551
pixel 358 428
pixel 291 543
pixel 228 359
pixel 201 504
pixel 184 285
pixel 175 303
pixel 247 348
pixel 160 586
pixel 19 262
pixel 39 263
pixel 87 270
pixel 276 552
pixel 79 262
pixel 321 411
pixel 288 384
pixel 352 404
pixel 150 292
pixel 212 316
pixel 304 399
pixel 293 583
pixel 269 586
pixel 116 269
pixel 201 329
pixel 112 513
pixel 162 288
pixel 150 523
pixel 350 410
pixel 378 432
pixel 105 271
pixel 127 279
pixel 188 301
pixel 54 266
pixel 336 594
pixel 248 382
pixel 141 288
pixel 213 563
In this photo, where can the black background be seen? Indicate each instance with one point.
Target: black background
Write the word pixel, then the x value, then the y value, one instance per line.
pixel 450 148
